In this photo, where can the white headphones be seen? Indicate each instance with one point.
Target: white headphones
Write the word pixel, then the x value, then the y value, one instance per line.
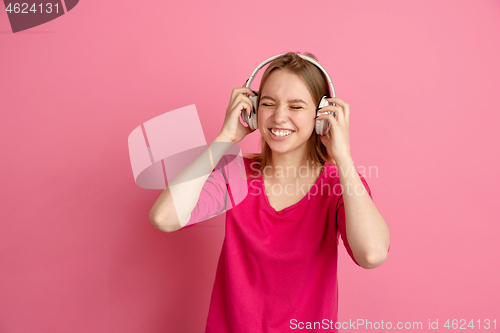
pixel 322 125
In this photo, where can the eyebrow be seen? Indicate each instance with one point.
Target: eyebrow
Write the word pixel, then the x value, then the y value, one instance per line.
pixel 290 101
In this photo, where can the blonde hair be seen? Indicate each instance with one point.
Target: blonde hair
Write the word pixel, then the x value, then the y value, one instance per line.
pixel 318 86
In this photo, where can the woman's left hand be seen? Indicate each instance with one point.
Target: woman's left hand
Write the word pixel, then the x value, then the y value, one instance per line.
pixel 336 140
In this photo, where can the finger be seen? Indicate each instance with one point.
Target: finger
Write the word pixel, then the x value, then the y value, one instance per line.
pixel 244 106
pixel 248 129
pixel 330 118
pixel 245 90
pixel 242 90
pixel 233 95
pixel 346 107
pixel 326 139
pixel 335 109
pixel 238 98
pixel 337 100
pixel 246 99
pixel 245 86
pixel 339 112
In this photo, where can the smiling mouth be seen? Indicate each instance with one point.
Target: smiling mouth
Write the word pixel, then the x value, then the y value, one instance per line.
pixel 280 132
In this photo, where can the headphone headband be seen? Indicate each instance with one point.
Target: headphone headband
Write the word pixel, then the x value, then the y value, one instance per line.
pixel 311 60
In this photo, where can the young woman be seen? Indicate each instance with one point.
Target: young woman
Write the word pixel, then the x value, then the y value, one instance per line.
pixel 277 271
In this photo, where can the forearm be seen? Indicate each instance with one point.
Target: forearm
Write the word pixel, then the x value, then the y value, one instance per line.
pixel 367 232
pixel 172 210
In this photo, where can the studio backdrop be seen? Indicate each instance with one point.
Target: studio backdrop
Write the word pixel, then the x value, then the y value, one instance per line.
pixel 77 250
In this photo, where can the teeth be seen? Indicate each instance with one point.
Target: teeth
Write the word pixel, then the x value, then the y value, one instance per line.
pixel 281 132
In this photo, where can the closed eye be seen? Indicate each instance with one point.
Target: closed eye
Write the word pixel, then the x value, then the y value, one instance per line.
pixel 292 107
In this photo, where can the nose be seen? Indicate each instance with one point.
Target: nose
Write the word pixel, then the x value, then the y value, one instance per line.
pixel 280 114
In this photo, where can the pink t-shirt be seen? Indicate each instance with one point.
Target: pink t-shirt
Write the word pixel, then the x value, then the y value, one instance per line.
pixel 277 269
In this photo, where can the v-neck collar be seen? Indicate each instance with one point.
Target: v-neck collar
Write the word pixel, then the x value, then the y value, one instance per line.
pixel 295 205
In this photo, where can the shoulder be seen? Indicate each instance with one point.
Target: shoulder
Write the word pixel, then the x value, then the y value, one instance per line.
pixel 247 159
pixel 251 157
pixel 330 171
pixel 252 163
pixel 332 174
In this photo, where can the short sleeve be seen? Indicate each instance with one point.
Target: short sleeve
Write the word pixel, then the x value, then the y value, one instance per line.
pixel 213 197
pixel 341 223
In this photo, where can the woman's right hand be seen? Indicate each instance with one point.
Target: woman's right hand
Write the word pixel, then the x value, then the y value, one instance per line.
pixel 232 129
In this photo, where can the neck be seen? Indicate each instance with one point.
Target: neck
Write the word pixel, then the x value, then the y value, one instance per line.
pixel 288 165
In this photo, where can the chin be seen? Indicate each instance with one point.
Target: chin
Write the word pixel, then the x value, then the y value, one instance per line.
pixel 282 147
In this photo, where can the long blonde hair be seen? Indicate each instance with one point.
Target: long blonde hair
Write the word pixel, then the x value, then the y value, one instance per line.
pixel 318 86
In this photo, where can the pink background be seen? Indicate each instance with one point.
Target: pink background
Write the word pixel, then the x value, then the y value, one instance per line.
pixel 77 250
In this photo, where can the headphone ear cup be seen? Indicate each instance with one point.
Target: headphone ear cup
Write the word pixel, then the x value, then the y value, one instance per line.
pixel 322 125
pixel 253 119
pixel 253 122
pixel 323 102
pixel 254 102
